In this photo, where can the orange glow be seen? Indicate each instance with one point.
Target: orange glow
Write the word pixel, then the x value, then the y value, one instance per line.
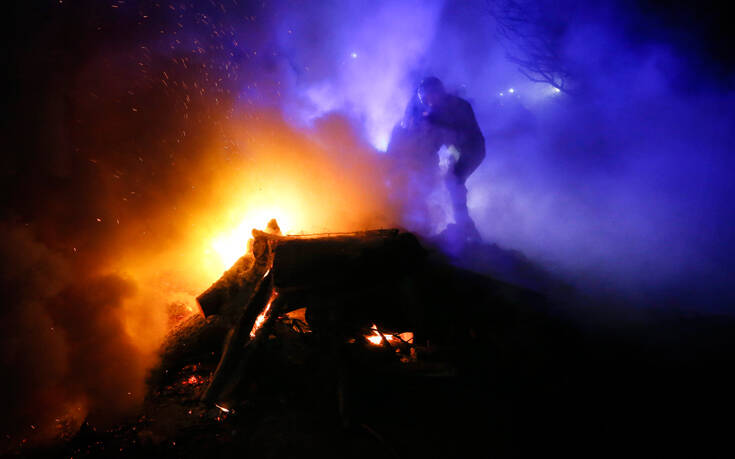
pixel 168 206
pixel 260 320
pixel 375 338
pixel 222 408
pixel 406 337
pixel 298 314
pixel 175 236
pixel 192 380
pixel 257 170
pixel 231 245
pixel 308 186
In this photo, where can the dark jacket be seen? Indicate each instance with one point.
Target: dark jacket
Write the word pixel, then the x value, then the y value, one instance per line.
pixel 454 117
pixel 451 122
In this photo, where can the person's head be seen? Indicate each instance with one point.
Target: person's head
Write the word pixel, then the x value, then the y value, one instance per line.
pixel 430 91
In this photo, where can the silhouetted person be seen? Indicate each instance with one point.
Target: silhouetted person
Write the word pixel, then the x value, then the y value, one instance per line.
pixel 434 118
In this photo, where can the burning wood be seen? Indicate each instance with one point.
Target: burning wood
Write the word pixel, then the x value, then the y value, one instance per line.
pixel 237 285
pixel 285 273
pixel 337 324
pixel 376 337
pixel 222 408
pixel 193 380
pixel 260 320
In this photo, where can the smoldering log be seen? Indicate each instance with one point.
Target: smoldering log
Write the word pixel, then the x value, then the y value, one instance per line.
pixel 237 285
pixel 238 344
pixel 229 286
pixel 345 259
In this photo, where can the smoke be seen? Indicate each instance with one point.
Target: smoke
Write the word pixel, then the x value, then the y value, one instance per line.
pixel 620 186
pixel 64 348
pixel 356 58
pixel 139 164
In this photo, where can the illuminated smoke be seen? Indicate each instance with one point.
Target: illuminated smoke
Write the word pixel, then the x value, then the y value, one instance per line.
pixel 620 187
pixel 362 64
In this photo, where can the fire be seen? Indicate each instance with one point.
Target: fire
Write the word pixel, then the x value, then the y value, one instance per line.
pixel 308 183
pixel 222 408
pixel 260 320
pixel 192 380
pixel 375 337
pixel 231 245
pixel 258 170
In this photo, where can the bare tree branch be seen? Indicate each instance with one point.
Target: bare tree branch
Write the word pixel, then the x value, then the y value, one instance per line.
pixel 532 37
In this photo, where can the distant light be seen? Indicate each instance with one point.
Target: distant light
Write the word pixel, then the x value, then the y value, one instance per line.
pixel 353 55
pixel 511 90
pixel 557 90
pixel 501 93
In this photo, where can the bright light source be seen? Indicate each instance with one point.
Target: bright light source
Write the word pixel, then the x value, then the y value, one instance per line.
pixel 353 55
pixel 557 90
pixel 233 244
pixel 501 93
pixel 380 141
pixel 511 90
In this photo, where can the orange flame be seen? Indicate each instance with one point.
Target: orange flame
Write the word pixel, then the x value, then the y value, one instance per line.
pixel 192 380
pixel 260 320
pixel 306 184
pixel 375 337
pixel 195 223
pixel 222 408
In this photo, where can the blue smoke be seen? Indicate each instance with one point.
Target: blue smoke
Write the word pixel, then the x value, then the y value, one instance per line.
pixel 356 58
pixel 621 186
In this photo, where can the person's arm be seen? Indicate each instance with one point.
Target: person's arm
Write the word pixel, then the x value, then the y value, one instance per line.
pixel 412 114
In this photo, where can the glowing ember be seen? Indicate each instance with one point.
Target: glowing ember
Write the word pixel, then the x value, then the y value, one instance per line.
pixel 297 314
pixel 297 320
pixel 224 409
pixel 260 320
pixel 375 337
pixel 192 380
pixel 406 337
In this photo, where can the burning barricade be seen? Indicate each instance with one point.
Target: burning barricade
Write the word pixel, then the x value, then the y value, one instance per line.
pixel 328 335
pixel 336 285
